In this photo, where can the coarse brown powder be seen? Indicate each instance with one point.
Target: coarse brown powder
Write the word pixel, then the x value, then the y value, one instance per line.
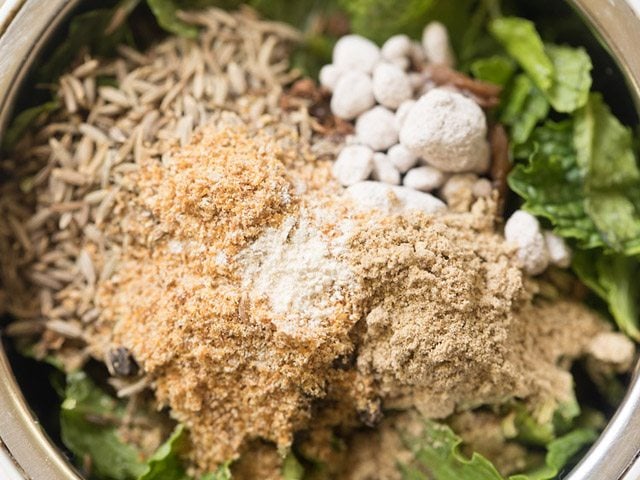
pixel 178 303
pixel 450 324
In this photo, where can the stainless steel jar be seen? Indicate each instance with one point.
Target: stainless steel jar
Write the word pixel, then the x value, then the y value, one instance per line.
pixel 25 450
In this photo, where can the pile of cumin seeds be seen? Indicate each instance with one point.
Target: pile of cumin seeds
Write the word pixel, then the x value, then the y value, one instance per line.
pixel 64 177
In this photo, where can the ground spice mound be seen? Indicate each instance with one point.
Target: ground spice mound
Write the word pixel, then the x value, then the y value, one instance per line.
pixel 223 188
pixel 450 323
pixel 441 294
pixel 260 303
pixel 232 361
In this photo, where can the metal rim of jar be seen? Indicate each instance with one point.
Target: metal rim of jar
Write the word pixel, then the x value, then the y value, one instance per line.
pixel 25 449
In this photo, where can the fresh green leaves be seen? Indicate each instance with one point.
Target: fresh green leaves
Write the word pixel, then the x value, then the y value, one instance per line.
pixel 88 428
pixel 496 69
pixel 615 278
pixel 562 74
pixel 611 176
pixel 23 121
pixel 222 473
pixel 552 75
pixel 524 107
pixel 86 30
pixel 165 463
pixel 521 40
pixel 379 19
pixel 583 176
pixel 580 174
pixel 292 469
pixel 571 80
pixel 89 419
pixel 552 184
pixel 589 192
pixel 559 453
pixel 437 455
pixel 544 427
pixel 165 12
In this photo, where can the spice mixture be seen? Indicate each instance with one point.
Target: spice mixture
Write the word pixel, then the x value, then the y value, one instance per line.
pixel 190 218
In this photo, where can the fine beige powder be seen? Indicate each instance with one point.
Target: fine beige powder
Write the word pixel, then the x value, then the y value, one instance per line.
pixel 297 269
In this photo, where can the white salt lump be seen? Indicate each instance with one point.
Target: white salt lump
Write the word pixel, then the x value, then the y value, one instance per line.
pixel 352 95
pixel 353 165
pixel 424 179
pixel 329 76
pixel 401 158
pixel 377 129
pixel 384 171
pixel 435 42
pixel 448 130
pixel 391 199
pixel 397 46
pixel 523 230
pixel 403 111
pixel 353 52
pixel 401 62
pixel 559 251
pixel 391 85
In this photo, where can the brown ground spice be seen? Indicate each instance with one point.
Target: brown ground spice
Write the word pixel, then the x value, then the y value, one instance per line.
pixel 437 315
pixel 177 303
pixel 450 323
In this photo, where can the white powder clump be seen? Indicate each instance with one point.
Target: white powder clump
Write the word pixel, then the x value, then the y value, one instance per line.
pixel 449 132
pixel 523 230
pixel 390 199
pixel 296 267
pixel 391 85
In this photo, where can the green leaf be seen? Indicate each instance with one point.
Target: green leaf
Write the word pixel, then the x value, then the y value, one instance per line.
pixel 529 430
pixel 23 121
pixel 571 80
pixel 566 415
pixel 550 420
pixel 87 420
pixel 552 185
pixel 165 463
pixel 380 19
pixel 604 146
pixel 496 69
pixel 523 108
pixel 437 455
pixel 87 30
pixel 615 279
pixel 520 38
pixel 563 74
pixel 591 192
pixel 559 453
pixel 612 178
pixel 292 469
pixel 222 473
pixel 616 214
pixel 165 12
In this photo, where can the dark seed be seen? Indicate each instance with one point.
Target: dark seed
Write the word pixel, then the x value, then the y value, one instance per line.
pixel 121 363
